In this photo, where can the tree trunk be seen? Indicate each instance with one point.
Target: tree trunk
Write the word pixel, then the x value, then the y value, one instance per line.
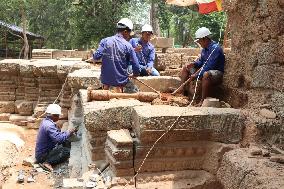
pixel 24 22
pixel 154 19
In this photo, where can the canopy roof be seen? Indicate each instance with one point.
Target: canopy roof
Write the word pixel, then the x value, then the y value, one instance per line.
pixel 19 31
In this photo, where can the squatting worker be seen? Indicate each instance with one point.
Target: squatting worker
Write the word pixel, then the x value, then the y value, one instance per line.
pixel 116 53
pixel 49 151
pixel 145 51
pixel 212 60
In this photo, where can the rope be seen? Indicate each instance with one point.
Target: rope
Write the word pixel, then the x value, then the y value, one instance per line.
pixel 174 123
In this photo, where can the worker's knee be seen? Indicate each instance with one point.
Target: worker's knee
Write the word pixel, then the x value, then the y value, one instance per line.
pixel 206 76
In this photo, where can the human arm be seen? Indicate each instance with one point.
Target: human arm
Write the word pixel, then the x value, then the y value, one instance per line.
pixel 99 52
pixel 134 62
pixel 57 136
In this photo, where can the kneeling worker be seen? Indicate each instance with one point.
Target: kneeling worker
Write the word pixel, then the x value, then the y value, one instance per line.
pixel 145 52
pixel 116 53
pixel 47 151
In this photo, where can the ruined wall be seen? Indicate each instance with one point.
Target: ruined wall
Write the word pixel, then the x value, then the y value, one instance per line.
pixel 256 62
pixel 255 67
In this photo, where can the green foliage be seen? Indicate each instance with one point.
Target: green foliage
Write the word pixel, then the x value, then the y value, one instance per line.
pixel 81 24
pixel 182 22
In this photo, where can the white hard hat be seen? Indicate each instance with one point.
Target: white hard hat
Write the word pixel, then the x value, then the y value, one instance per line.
pixel 147 28
pixel 201 33
pixel 53 109
pixel 125 22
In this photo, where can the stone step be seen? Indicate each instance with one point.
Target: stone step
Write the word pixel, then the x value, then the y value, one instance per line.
pixel 217 124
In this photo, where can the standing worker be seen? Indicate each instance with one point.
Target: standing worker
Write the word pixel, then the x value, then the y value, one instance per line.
pixel 49 151
pixel 209 68
pixel 116 53
pixel 145 52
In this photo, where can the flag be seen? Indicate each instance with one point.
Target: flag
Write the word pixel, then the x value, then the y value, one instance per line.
pixel 183 3
pixel 208 6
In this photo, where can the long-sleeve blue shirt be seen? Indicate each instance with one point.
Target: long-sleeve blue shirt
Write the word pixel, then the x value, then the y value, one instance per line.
pixel 146 57
pixel 215 62
pixel 48 136
pixel 116 53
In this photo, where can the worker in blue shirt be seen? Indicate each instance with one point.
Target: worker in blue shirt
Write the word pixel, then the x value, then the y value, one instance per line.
pixel 145 52
pixel 48 151
pixel 116 53
pixel 209 68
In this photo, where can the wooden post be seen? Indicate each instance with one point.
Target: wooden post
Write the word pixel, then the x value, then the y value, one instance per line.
pixel 6 46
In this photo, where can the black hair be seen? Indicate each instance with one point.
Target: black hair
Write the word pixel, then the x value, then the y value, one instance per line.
pixel 123 29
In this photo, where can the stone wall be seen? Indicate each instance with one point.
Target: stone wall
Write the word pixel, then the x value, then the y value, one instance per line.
pixel 28 86
pixel 254 70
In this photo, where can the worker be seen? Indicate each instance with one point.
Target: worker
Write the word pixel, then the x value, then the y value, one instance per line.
pixel 49 150
pixel 145 52
pixel 209 68
pixel 116 53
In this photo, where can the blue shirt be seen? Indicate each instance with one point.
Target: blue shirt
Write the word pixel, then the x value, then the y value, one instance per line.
pixel 48 136
pixel 116 53
pixel 146 57
pixel 215 62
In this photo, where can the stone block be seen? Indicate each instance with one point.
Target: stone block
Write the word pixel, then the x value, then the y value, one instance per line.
pixel 162 42
pixel 183 155
pixel 72 183
pixel 84 78
pixel 24 108
pixel 165 61
pixel 4 116
pixel 122 172
pixel 120 138
pixel 10 66
pixel 220 124
pixel 159 83
pixel 171 72
pixel 249 172
pixel 99 115
pixel 185 51
pixel 119 154
pixel 119 164
pixel 7 107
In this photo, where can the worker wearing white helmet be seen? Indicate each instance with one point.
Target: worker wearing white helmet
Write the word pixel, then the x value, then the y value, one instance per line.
pixel 209 68
pixel 47 151
pixel 145 51
pixel 116 53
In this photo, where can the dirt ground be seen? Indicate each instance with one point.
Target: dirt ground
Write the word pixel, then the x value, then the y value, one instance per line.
pixel 42 179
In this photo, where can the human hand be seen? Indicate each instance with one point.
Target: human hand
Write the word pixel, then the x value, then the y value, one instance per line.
pixel 138 48
pixel 189 66
pixel 149 71
pixel 132 76
pixel 72 131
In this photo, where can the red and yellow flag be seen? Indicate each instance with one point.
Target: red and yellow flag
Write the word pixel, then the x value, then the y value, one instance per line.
pixel 208 6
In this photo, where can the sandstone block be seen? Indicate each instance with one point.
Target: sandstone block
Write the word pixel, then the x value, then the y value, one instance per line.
pixel 10 66
pixel 24 108
pixel 185 51
pixel 120 138
pixel 84 78
pixel 159 83
pixel 4 116
pixel 7 107
pixel 99 115
pixel 162 42
pixel 165 61
pixel 249 172
pixel 221 124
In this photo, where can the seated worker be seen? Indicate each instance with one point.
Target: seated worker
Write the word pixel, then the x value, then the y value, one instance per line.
pixel 145 52
pixel 209 68
pixel 48 151
pixel 116 53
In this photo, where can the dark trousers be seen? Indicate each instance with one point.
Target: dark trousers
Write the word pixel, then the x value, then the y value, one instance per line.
pixel 55 156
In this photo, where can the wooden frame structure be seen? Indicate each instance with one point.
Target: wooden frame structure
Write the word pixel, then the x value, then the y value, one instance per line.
pixel 11 41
